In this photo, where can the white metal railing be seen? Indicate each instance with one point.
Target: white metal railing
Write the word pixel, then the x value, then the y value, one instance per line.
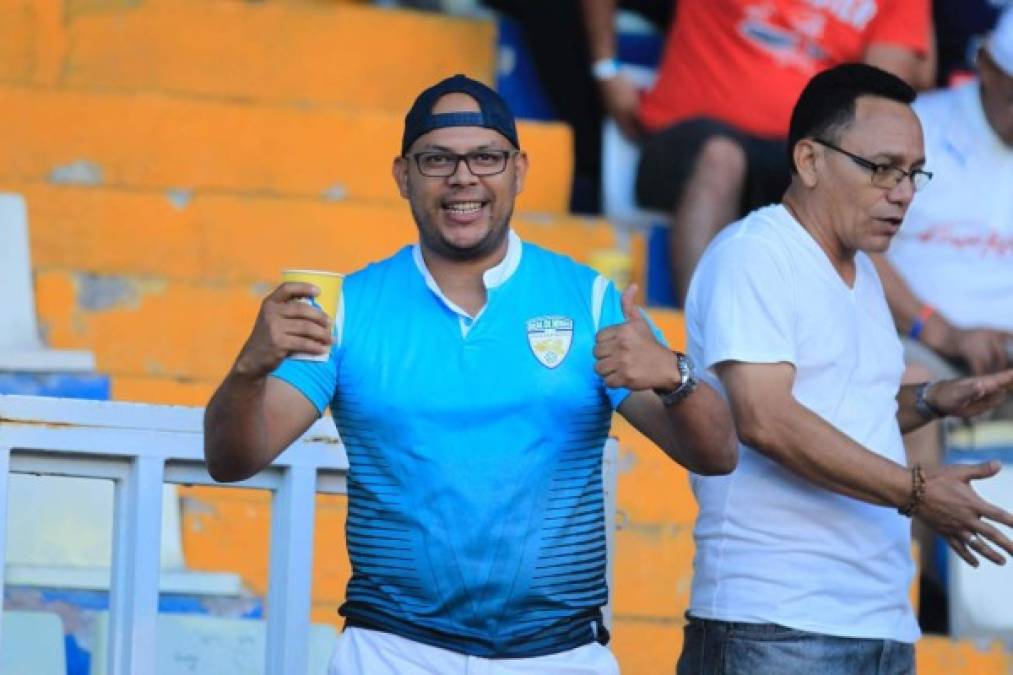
pixel 139 447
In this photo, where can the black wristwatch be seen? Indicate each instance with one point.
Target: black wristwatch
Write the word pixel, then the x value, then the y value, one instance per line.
pixel 687 381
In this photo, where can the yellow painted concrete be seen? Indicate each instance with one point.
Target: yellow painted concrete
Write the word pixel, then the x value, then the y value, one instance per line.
pixel 221 522
pixel 150 141
pixel 163 390
pixel 652 487
pixel 653 569
pixel 336 54
pixel 936 655
pixel 227 529
pixel 16 41
pixel 149 327
pixel 646 646
pixel 220 239
pixel 158 290
pixel 33 42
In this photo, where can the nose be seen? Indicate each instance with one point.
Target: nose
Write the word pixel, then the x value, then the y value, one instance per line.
pixel 903 192
pixel 462 174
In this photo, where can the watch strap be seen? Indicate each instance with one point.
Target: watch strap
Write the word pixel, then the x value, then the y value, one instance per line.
pixel 923 406
pixel 687 381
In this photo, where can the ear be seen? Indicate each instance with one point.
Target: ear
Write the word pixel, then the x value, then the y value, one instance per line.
pixel 400 172
pixel 807 162
pixel 520 171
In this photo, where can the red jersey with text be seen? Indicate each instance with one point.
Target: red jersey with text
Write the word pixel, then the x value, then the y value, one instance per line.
pixel 745 62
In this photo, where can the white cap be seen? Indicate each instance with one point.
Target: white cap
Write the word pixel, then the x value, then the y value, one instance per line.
pixel 1000 42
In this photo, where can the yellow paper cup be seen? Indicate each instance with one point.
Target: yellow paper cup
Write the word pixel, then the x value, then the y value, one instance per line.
pixel 327 301
pixel 614 264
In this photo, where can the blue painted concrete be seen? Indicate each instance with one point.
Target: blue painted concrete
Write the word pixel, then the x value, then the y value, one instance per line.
pixel 66 385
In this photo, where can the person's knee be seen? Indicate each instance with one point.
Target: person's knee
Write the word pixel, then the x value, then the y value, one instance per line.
pixel 721 158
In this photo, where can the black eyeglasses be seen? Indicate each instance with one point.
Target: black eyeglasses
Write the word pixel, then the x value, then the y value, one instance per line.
pixel 886 176
pixel 439 164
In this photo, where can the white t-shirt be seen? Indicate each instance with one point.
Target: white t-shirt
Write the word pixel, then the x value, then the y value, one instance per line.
pixel 770 545
pixel 955 248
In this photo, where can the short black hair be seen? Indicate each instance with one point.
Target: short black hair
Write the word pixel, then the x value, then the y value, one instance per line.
pixel 827 104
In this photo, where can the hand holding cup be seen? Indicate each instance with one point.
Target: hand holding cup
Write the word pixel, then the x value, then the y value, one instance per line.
pixel 296 320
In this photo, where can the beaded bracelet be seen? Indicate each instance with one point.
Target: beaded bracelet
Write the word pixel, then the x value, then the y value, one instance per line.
pixel 917 492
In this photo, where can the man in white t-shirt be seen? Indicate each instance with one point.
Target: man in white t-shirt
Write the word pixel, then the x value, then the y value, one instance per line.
pixel 803 561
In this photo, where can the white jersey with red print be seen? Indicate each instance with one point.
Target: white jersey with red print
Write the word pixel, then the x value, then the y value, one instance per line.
pixel 955 248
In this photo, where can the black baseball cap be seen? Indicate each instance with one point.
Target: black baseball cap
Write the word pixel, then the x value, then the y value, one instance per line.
pixel 494 113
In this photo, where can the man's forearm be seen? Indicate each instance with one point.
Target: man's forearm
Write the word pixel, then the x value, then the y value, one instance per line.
pixel 808 445
pixel 599 22
pixel 704 431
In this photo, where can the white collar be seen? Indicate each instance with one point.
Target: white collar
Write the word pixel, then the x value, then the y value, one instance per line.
pixel 492 277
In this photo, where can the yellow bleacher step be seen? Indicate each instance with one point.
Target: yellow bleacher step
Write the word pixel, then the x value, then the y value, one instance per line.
pixel 17 43
pixel 652 486
pixel 241 239
pixel 158 142
pixel 646 645
pixel 161 390
pixel 313 52
pixel 156 288
pixel 939 655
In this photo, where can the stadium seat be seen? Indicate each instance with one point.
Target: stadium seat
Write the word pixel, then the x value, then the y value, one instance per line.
pixel 32 644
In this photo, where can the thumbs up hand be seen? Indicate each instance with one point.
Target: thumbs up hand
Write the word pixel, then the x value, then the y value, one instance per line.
pixel 628 355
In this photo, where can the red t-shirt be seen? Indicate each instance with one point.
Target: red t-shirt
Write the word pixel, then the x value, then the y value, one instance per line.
pixel 746 61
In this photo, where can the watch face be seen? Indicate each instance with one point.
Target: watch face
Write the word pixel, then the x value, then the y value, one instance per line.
pixel 687 381
pixel 686 370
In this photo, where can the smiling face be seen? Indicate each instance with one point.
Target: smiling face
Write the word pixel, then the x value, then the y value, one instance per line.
pixel 860 215
pixel 461 216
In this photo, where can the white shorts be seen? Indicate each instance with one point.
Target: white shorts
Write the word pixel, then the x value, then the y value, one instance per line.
pixel 368 652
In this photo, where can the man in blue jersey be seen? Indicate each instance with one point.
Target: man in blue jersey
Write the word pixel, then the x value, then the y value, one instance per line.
pixel 472 378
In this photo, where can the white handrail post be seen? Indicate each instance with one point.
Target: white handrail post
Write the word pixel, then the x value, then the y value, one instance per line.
pixel 5 463
pixel 291 572
pixel 133 589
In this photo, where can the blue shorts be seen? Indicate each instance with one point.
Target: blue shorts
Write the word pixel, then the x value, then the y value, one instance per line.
pixel 729 648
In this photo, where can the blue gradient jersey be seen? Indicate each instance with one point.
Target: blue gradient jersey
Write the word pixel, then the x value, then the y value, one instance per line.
pixel 475 510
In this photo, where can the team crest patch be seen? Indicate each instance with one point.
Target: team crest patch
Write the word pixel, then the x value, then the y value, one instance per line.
pixel 550 338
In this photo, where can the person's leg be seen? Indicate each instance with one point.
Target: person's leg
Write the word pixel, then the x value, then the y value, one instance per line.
pixel 726 648
pixel 710 200
pixel 557 42
pixel 696 170
pixel 701 648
